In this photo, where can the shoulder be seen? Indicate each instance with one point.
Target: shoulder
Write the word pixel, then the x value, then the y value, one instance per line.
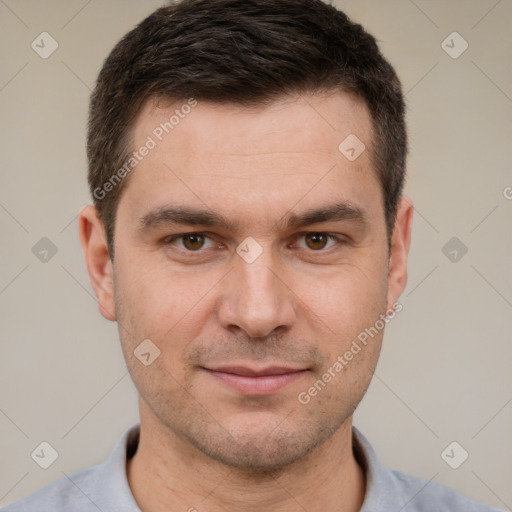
pixel 387 489
pixel 420 495
pixel 103 487
pixel 66 494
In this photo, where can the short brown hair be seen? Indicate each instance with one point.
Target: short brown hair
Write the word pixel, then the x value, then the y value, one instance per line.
pixel 248 52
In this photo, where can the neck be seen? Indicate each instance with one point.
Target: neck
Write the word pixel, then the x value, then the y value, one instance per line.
pixel 167 473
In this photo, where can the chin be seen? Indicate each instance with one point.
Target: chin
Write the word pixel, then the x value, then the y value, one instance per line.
pixel 263 448
pixel 259 456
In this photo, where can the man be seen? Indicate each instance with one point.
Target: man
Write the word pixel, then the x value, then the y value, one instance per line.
pixel 246 161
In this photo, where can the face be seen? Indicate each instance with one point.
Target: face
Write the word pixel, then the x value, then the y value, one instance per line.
pixel 252 253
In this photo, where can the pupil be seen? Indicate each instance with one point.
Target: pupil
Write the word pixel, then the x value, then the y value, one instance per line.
pixel 317 241
pixel 193 241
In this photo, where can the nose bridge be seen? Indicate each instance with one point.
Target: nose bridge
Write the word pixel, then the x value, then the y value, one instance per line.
pixel 257 278
pixel 256 300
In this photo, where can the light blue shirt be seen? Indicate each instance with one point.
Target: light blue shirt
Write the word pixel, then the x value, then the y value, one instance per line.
pixel 104 488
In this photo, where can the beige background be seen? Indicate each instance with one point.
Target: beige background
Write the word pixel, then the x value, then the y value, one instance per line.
pixel 445 372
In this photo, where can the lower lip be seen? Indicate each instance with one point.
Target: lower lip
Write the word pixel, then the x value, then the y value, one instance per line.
pixel 257 385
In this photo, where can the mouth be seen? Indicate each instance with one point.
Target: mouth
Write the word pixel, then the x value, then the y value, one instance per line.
pixel 257 382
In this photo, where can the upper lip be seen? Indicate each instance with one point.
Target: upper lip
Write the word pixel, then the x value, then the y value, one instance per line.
pixel 254 372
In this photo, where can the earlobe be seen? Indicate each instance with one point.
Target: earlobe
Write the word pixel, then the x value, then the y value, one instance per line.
pixel 400 243
pixel 97 258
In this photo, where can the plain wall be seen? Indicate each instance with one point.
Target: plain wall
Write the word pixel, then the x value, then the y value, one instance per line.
pixel 444 373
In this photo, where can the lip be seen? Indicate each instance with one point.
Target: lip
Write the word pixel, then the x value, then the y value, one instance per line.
pixel 256 382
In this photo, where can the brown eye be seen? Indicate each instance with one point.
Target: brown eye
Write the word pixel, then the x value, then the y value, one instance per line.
pixel 193 242
pixel 316 241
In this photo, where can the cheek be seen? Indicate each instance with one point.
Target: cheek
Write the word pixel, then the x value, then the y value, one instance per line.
pixel 167 307
pixel 348 302
pixel 159 297
pixel 349 295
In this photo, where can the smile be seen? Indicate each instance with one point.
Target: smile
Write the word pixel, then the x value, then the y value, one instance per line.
pixel 248 381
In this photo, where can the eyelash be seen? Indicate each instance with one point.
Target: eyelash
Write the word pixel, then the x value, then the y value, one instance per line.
pixel 338 239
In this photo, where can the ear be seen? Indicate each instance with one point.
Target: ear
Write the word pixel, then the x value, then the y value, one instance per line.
pixel 97 258
pixel 400 242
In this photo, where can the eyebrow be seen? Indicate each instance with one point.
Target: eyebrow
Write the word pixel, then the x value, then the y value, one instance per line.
pixel 164 215
pixel 342 211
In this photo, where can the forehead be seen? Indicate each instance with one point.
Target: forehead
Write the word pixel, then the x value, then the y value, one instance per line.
pixel 284 125
pixel 235 158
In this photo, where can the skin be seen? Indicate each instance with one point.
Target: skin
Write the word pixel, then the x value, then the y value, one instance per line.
pixel 299 304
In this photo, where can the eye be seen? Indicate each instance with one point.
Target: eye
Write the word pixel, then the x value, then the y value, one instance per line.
pixel 192 242
pixel 317 241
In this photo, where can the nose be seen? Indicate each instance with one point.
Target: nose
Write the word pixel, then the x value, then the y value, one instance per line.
pixel 255 299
